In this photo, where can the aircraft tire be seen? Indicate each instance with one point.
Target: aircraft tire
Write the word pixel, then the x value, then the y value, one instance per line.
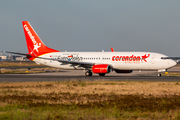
pixel 88 73
pixel 159 74
pixel 101 74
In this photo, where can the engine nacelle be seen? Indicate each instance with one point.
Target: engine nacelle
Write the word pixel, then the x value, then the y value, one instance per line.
pixel 101 68
pixel 123 71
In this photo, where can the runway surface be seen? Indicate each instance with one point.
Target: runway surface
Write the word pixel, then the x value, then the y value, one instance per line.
pixel 80 75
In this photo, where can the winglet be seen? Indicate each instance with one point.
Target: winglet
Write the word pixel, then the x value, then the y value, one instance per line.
pixel 112 50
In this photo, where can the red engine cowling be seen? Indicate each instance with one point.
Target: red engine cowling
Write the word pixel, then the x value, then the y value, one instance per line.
pixel 101 68
pixel 123 71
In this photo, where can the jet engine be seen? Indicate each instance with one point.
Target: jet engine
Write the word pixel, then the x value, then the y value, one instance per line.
pixel 101 68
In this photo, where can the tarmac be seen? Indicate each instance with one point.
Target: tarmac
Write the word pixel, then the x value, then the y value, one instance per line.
pixel 80 75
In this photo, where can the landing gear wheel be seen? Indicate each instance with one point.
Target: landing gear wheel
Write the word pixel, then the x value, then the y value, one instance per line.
pixel 159 74
pixel 88 73
pixel 101 74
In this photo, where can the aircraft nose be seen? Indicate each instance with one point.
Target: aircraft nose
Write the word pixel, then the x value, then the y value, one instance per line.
pixel 172 63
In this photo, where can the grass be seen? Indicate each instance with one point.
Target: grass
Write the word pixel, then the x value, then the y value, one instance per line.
pixel 26 71
pixel 17 63
pixel 21 71
pixel 65 112
pixel 27 64
pixel 90 100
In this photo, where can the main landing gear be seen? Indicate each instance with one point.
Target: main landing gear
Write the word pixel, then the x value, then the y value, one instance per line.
pixel 88 73
pixel 159 74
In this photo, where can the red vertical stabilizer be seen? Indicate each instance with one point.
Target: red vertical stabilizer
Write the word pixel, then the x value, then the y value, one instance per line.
pixel 34 44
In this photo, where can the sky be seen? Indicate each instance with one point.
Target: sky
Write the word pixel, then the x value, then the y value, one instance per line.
pixel 93 25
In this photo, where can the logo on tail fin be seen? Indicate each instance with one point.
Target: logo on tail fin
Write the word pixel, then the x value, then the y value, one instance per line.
pixel 36 47
pixel 35 44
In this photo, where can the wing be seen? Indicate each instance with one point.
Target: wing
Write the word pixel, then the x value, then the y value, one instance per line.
pixel 18 53
pixel 74 63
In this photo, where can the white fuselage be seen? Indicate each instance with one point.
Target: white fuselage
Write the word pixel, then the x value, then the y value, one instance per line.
pixel 118 60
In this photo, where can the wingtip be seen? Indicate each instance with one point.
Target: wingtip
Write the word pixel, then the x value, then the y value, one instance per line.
pixel 112 50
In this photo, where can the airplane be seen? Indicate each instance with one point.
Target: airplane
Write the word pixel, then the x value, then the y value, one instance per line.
pixel 93 62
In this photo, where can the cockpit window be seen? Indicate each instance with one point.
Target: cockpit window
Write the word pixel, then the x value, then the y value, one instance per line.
pixel 163 58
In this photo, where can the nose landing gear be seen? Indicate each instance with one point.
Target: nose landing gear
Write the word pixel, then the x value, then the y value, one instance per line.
pixel 159 74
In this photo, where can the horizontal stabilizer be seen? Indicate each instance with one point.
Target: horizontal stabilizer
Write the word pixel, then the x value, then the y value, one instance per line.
pixel 18 53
